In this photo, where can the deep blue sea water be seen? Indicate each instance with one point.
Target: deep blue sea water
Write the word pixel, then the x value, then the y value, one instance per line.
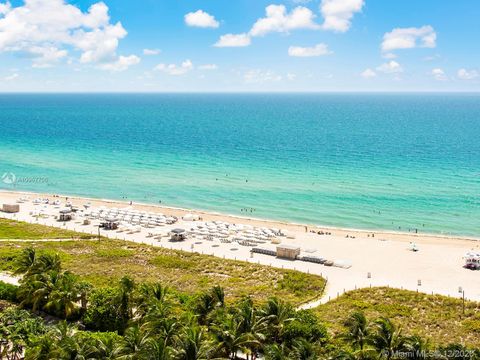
pixel 375 161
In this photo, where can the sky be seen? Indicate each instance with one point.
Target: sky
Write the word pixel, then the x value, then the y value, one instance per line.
pixel 239 45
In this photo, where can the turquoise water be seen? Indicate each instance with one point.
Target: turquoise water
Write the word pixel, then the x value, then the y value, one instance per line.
pixel 370 161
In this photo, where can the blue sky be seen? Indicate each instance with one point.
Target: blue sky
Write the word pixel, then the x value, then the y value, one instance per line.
pixel 239 45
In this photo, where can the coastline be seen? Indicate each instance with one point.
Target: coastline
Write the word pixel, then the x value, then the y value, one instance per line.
pixel 212 215
pixel 383 260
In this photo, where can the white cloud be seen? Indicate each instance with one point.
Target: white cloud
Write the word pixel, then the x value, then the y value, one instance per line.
pixel 439 74
pixel 4 8
pixel 465 74
pixel 50 28
pixel 174 69
pixel 121 64
pixel 389 56
pixel 208 67
pixel 408 38
pixel 45 57
pixel 278 20
pixel 368 74
pixel 201 19
pixel 233 40
pixel 11 77
pixel 149 52
pixel 317 50
pixel 257 76
pixel 391 67
pixel 338 14
pixel 291 76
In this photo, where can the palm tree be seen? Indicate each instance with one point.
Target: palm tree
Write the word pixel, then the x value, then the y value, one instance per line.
pixel 229 337
pixel 277 315
pixel 43 348
pixel 64 296
pixel 127 285
pixel 191 345
pixel 303 350
pixel 387 339
pixel 358 330
pixel 417 347
pixel 252 324
pixel 108 348
pixel 158 350
pixel 153 301
pixel 135 343
pixel 349 354
pixel 219 295
pixel 83 290
pixel 47 262
pixel 35 289
pixel 26 261
pixel 277 352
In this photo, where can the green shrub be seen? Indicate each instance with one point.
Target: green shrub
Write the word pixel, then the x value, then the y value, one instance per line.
pixel 305 325
pixel 103 311
pixel 8 292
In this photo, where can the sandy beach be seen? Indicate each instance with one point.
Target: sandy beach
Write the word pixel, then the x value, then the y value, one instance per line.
pixel 384 259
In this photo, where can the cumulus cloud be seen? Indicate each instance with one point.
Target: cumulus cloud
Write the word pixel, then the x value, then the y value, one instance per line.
pixel 44 57
pixel 149 52
pixel 277 19
pixel 439 74
pixel 201 19
pixel 48 29
pixel 174 69
pixel 317 50
pixel 208 67
pixel 368 74
pixel 391 67
pixel 233 40
pixel 257 76
pixel 121 64
pixel 465 74
pixel 338 14
pixel 409 38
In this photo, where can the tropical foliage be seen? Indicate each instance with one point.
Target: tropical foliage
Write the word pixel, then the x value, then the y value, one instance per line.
pixel 69 319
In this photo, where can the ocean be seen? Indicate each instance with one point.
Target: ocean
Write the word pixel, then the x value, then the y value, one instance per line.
pixel 368 161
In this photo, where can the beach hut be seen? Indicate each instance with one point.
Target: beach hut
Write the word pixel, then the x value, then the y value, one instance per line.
pixel 11 208
pixel 110 223
pixel 288 251
pixel 190 217
pixel 65 215
pixel 178 234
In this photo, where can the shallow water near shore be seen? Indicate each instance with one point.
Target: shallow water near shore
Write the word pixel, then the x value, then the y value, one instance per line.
pixel 391 162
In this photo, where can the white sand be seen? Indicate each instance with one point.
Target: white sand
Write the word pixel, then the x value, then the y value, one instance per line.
pixel 387 256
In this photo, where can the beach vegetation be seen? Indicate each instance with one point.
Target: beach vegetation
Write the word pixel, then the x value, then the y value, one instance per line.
pixel 19 230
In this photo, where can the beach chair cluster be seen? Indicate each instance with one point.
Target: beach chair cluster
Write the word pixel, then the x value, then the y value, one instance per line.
pixel 130 220
pixel 245 235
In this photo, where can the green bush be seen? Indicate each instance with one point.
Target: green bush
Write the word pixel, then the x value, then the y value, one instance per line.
pixel 103 312
pixel 8 292
pixel 305 325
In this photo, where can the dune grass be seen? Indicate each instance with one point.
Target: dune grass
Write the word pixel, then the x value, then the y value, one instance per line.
pixel 104 262
pixel 439 318
pixel 19 230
